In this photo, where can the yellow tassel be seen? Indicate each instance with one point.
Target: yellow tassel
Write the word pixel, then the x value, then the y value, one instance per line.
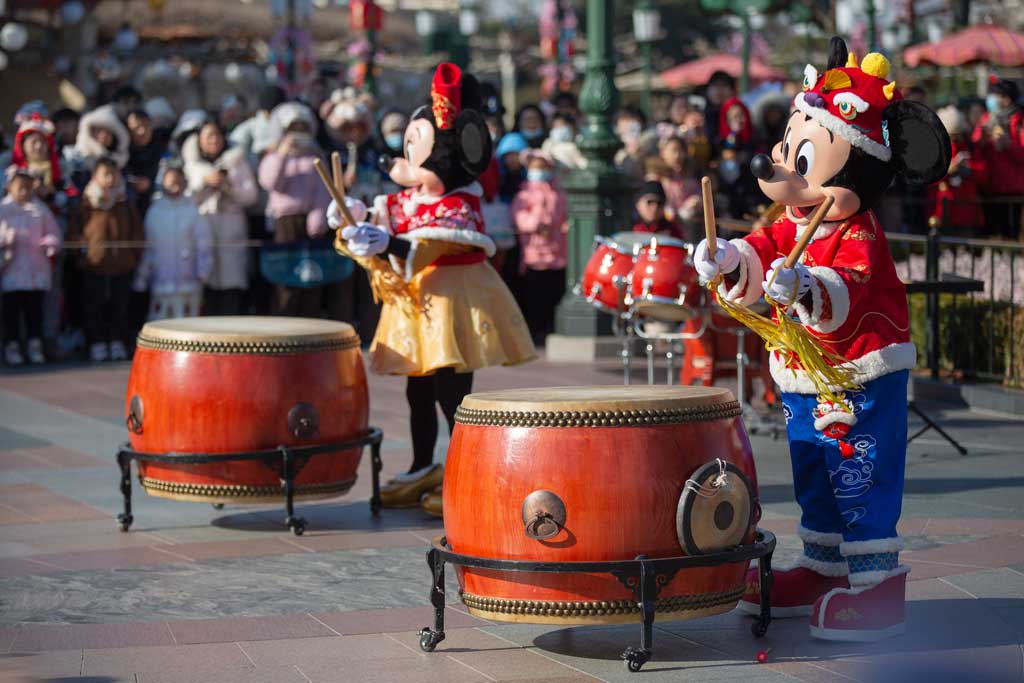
pixel 851 60
pixel 875 64
pixel 794 343
pixel 386 285
pixel 889 90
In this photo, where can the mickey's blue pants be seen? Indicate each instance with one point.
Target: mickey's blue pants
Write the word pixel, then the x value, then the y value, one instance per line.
pixel 854 500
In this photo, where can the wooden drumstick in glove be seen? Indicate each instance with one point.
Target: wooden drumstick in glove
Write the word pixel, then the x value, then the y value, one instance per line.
pixel 710 228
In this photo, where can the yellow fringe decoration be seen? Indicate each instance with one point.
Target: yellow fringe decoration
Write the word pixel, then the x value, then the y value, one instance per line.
pixel 795 343
pixel 386 285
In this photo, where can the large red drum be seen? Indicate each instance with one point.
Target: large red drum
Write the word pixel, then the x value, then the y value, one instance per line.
pixel 238 384
pixel 598 474
pixel 664 284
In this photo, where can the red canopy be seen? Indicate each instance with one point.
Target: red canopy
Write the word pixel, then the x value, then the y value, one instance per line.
pixel 699 71
pixel 984 43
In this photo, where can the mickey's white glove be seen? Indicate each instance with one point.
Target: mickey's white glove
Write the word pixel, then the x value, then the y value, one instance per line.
pixel 355 207
pixel 365 239
pixel 727 259
pixel 790 283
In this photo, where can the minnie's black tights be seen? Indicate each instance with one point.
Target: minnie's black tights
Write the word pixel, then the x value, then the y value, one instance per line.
pixel 445 387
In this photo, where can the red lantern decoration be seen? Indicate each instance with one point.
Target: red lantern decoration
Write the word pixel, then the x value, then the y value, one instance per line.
pixel 365 15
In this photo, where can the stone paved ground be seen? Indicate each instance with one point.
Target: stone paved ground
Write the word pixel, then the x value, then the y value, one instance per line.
pixel 194 594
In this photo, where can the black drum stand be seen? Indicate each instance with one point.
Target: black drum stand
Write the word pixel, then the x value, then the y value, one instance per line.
pixel 644 576
pixel 287 460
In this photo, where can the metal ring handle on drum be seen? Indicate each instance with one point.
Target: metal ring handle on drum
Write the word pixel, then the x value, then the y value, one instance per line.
pixel 135 415
pixel 543 515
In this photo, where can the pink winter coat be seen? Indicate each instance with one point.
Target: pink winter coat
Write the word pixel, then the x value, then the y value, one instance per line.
pixel 540 213
pixel 28 232
pixel 294 188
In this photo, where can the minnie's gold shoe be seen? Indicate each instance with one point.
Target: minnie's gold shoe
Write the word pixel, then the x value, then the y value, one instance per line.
pixel 405 490
pixel 431 503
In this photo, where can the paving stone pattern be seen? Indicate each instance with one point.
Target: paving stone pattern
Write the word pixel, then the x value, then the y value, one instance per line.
pixel 196 594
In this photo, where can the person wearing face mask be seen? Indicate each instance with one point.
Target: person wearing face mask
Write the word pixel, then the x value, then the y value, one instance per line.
pixel 561 142
pixel 1000 134
pixel 629 126
pixel 391 134
pixel 540 212
pixel 532 125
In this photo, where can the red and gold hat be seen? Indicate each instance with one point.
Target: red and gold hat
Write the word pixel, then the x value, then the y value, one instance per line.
pixel 850 100
pixel 446 94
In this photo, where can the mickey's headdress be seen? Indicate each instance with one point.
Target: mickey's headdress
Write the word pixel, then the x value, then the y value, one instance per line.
pixel 446 95
pixel 850 102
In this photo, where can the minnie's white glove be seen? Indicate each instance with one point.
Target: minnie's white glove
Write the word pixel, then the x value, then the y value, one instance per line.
pixel 365 239
pixel 727 259
pixel 790 283
pixel 355 207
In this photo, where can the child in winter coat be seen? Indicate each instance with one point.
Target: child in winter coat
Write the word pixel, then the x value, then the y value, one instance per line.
pixel 540 212
pixel 100 135
pixel 29 238
pixel 650 211
pixel 179 249
pixel 105 216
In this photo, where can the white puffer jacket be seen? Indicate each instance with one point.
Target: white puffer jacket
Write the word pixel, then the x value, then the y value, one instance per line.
pixel 224 209
pixel 179 248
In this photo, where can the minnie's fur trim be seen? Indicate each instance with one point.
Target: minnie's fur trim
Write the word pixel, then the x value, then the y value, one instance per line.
pixel 843 129
pixel 822 567
pixel 838 295
pixel 880 545
pixel 380 213
pixel 470 238
pixel 865 580
pixel 747 289
pixel 818 537
pixel 872 365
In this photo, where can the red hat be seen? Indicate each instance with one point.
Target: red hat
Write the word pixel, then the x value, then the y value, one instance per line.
pixel 446 94
pixel 850 100
pixel 36 123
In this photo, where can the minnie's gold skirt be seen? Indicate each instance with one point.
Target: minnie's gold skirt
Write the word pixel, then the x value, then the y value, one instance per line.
pixel 465 318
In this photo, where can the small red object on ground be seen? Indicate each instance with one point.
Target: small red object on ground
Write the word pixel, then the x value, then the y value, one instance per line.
pixel 762 656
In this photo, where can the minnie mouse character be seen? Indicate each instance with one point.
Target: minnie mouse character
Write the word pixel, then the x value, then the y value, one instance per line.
pixel 463 317
pixel 848 137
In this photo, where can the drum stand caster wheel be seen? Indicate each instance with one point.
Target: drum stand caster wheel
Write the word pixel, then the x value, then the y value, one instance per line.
pixel 217 506
pixel 297 525
pixel 636 658
pixel 429 638
pixel 124 522
pixel 759 627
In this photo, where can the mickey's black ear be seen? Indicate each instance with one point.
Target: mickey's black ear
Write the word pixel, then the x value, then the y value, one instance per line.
pixel 474 142
pixel 920 144
pixel 837 53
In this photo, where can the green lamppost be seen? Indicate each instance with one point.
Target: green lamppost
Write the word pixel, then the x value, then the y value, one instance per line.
pixel 598 193
pixel 645 30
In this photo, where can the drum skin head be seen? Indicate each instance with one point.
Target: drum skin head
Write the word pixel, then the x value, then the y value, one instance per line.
pixel 230 328
pixel 711 518
pixel 598 398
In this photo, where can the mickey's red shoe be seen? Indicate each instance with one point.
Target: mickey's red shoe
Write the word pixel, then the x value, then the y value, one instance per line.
pixel 862 613
pixel 793 594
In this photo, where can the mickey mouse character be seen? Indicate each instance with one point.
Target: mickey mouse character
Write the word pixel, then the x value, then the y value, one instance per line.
pixel 849 135
pixel 463 318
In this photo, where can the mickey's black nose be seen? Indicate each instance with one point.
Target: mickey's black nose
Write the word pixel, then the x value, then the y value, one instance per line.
pixel 762 167
pixel 385 162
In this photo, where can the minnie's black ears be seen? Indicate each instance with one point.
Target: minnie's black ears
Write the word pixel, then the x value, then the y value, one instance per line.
pixel 920 145
pixel 474 142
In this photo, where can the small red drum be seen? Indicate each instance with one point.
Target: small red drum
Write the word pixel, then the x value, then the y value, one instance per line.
pixel 664 282
pixel 606 272
pixel 598 474
pixel 240 384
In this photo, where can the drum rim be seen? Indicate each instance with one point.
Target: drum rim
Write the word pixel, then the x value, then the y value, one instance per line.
pixel 612 405
pixel 669 241
pixel 638 302
pixel 227 334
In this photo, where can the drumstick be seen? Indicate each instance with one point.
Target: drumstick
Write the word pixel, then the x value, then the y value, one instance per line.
pixel 339 178
pixel 336 194
pixel 809 231
pixel 710 230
